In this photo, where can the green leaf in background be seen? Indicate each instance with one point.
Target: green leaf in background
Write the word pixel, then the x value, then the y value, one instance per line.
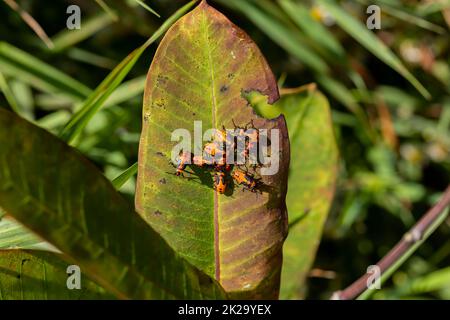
pixel 301 15
pixel 57 193
pixel 200 70
pixel 29 69
pixel 36 275
pixel 97 99
pixel 67 38
pixel 126 91
pixel 4 87
pixel 312 177
pixel 15 236
pixel 371 42
pixel 107 9
pixel 404 15
pixel 280 34
pixel 437 281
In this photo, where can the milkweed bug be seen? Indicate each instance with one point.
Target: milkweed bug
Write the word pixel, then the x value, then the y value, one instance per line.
pixel 182 161
pixel 220 184
pixel 252 138
pixel 245 179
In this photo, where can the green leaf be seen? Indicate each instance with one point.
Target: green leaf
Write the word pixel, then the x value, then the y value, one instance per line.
pixel 200 70
pixel 97 99
pixel 312 177
pixel 34 275
pixel 23 66
pixel 57 193
pixel 371 42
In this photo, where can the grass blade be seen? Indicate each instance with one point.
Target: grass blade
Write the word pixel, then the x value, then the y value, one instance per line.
pixel 280 34
pixel 388 273
pixel 299 13
pixel 90 58
pixel 119 181
pixel 147 7
pixel 23 66
pixel 126 91
pixel 31 22
pixel 107 9
pixel 371 42
pixel 4 87
pixel 68 38
pixel 410 18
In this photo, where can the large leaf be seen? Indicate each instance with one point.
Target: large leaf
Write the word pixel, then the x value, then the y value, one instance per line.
pixel 312 175
pixel 201 68
pixel 34 275
pixel 57 193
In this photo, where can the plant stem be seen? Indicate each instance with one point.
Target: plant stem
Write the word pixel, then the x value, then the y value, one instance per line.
pixel 417 233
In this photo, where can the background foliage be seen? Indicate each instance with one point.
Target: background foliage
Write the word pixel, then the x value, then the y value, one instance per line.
pixel 394 143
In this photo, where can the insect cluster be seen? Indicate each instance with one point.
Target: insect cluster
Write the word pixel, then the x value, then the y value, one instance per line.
pixel 214 158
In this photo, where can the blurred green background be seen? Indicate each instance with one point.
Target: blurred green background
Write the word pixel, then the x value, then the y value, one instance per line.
pixel 394 139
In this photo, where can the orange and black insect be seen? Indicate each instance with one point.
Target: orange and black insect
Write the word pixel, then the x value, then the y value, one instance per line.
pixel 220 185
pixel 245 179
pixel 183 160
pixel 214 154
pixel 252 138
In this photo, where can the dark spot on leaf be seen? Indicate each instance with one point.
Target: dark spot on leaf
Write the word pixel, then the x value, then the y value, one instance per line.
pixel 159 153
pixel 230 75
pixel 224 89
pixel 157 212
pixel 18 276
pixel 160 79
pixel 25 260
pixel 160 103
pixel 193 113
pixel 163 181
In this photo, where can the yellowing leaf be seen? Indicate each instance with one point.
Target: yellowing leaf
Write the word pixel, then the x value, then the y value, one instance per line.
pixel 200 70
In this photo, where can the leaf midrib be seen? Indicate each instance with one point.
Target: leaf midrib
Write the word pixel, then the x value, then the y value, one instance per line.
pixel 214 125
